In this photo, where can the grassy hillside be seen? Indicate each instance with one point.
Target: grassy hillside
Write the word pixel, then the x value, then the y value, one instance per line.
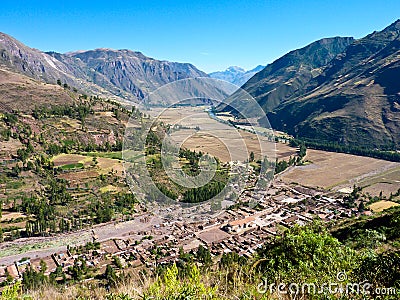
pixel 59 172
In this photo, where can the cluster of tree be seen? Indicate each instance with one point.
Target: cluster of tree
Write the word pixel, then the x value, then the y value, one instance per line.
pixel 124 201
pixel 153 143
pixel 203 255
pixel 391 155
pixel 396 194
pixel 68 146
pixel 203 193
pixel 78 111
pixel 79 270
pixel 282 165
pixel 166 191
pixel 56 191
pixel 47 220
pixel 44 213
pixel 230 259
pixel 23 154
pixel 32 279
pixel 5 134
pixel 81 249
pixel 359 231
pixel 10 119
pixel 15 129
pixel 192 168
pixel 302 147
pixel 349 200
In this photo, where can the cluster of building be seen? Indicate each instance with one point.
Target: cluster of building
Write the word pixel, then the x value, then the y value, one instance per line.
pixel 242 230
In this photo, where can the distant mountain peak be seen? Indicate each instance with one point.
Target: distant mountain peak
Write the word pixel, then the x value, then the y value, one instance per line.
pixel 235 74
pixel 235 69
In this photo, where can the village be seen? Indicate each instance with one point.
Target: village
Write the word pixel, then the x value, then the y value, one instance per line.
pixel 240 229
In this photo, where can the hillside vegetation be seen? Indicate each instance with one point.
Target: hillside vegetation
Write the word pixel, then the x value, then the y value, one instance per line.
pixel 310 258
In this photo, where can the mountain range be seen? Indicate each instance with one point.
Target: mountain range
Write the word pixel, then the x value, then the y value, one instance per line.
pixel 236 75
pixel 336 90
pixel 120 74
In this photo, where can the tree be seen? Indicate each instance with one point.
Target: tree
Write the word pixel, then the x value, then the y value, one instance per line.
pixel 230 258
pixel 361 206
pixel 110 276
pixel 43 266
pixel 381 270
pixel 78 270
pixel 251 158
pixel 117 262
pixel 203 255
pixel 32 279
pixel 305 253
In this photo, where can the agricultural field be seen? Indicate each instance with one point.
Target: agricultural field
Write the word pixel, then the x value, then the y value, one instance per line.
pixel 327 170
pixel 199 132
pixel 68 161
pixel 337 171
pixel 382 205
pixel 60 162
pixel 388 182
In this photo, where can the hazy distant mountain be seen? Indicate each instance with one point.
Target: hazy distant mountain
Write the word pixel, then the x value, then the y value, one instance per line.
pixel 123 73
pixel 236 75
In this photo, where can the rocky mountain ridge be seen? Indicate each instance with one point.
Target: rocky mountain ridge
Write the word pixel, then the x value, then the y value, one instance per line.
pixel 121 74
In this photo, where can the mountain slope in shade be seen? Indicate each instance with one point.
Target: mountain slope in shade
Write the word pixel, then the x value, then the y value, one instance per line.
pixel 119 73
pixel 236 75
pixel 280 79
pixel 355 100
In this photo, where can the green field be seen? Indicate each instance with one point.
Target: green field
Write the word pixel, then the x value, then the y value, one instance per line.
pixel 72 166
pixel 113 154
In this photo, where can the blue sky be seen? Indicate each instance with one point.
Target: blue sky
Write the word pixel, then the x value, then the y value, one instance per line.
pixel 210 34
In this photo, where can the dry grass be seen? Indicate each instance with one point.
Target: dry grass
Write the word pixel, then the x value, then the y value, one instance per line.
pixel 66 159
pixel 216 138
pixel 336 170
pixel 107 165
pixel 386 182
pixel 9 148
pixel 109 188
pixel 382 205
pixel 23 93
pixel 133 287
pixel 12 215
pixel 79 176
